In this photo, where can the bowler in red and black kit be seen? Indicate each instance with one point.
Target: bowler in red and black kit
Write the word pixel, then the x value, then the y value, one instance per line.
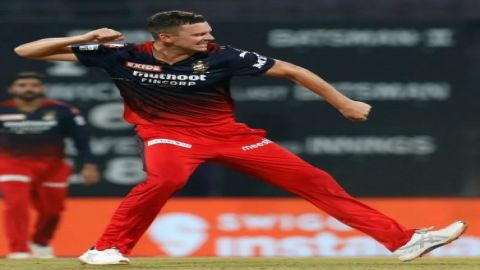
pixel 176 92
pixel 32 163
pixel 184 115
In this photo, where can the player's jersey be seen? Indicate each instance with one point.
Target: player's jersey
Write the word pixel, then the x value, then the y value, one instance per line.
pixel 192 92
pixel 40 134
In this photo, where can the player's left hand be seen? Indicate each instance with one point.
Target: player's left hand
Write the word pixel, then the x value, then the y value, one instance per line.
pixel 355 110
pixel 90 174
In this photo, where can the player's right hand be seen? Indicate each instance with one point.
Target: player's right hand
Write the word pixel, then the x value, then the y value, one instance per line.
pixel 356 110
pixel 90 174
pixel 103 35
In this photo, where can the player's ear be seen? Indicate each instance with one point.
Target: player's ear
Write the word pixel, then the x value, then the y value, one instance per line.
pixel 165 37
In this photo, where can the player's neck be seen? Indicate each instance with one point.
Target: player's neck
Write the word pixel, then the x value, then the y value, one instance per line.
pixel 28 106
pixel 170 54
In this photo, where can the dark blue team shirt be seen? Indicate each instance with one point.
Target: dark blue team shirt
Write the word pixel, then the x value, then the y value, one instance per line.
pixel 192 92
pixel 40 134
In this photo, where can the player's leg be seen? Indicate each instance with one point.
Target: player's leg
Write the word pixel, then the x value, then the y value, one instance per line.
pixel 169 162
pixel 15 183
pixel 267 161
pixel 49 194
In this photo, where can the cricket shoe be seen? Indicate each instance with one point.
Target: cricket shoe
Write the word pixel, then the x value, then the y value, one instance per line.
pixel 41 251
pixel 107 256
pixel 19 255
pixel 426 240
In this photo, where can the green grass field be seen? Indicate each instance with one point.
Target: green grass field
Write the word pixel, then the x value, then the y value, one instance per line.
pixel 252 264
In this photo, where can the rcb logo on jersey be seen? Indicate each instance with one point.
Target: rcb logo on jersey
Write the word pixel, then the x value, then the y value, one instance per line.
pixel 200 67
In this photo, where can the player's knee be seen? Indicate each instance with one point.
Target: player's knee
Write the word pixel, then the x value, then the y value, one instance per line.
pixel 324 180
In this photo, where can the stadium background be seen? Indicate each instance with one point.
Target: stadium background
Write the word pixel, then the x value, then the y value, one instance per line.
pixel 416 62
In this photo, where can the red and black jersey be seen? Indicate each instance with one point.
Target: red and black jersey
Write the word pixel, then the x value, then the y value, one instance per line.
pixel 41 133
pixel 192 92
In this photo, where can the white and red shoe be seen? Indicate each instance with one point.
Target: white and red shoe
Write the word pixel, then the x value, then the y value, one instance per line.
pixel 41 251
pixel 103 257
pixel 426 240
pixel 19 255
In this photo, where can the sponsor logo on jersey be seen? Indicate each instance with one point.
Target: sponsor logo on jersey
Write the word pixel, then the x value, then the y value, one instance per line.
pixel 169 79
pixel 200 67
pixel 261 60
pixel 114 45
pixel 30 126
pixel 49 116
pixel 256 145
pixel 12 117
pixel 89 47
pixel 143 67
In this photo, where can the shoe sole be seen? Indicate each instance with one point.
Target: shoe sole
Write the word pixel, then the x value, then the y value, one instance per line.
pixel 453 238
pixel 119 262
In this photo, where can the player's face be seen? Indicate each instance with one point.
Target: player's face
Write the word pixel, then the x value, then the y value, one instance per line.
pixel 27 89
pixel 193 37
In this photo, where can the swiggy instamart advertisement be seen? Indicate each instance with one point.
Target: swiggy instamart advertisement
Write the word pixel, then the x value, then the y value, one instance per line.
pixel 261 227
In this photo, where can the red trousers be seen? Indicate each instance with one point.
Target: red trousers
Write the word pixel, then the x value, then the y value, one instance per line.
pixel 172 154
pixel 41 182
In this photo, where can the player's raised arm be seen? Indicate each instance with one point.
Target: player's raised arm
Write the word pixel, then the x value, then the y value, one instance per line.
pixel 58 49
pixel 351 109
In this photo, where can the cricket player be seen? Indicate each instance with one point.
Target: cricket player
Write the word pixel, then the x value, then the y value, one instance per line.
pixel 32 163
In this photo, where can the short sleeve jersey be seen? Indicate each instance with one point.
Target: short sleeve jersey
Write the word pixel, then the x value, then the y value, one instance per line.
pixel 192 92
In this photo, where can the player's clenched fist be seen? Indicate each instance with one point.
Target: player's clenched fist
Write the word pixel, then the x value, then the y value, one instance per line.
pixel 356 110
pixel 103 35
